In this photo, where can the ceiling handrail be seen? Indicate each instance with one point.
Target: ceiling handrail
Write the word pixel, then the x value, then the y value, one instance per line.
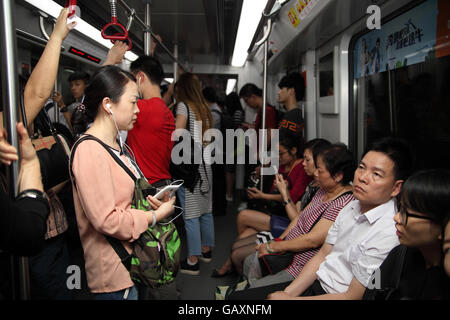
pixel 147 28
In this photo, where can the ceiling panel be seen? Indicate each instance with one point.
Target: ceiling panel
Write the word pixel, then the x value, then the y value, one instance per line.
pixel 203 29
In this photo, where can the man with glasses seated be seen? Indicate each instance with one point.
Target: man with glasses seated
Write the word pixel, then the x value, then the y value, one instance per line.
pixel 363 234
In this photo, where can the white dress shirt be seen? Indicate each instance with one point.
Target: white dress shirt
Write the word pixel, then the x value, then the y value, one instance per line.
pixel 360 244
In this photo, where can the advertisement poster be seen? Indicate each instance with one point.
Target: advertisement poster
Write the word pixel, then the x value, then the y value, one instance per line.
pixel 300 11
pixel 403 41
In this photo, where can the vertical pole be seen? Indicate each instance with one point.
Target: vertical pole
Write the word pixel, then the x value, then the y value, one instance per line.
pixel 263 136
pixel 10 103
pixel 55 106
pixel 147 36
pixel 175 64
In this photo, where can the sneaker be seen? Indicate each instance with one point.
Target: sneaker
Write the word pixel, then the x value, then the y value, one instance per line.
pixel 186 268
pixel 206 256
pixel 229 198
pixel 242 206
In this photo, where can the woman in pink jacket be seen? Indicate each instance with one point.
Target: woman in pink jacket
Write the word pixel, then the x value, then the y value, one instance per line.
pixel 103 191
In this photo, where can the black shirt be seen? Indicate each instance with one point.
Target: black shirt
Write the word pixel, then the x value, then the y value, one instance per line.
pixel 22 225
pixel 416 282
pixel 292 123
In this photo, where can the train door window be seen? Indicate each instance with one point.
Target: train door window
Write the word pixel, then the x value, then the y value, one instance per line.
pixel 400 81
pixel 65 85
pixel 327 102
pixel 326 86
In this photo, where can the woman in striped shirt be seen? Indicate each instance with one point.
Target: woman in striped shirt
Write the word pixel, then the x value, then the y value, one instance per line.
pixel 306 234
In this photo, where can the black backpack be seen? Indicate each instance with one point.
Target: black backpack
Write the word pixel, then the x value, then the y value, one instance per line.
pixel 226 121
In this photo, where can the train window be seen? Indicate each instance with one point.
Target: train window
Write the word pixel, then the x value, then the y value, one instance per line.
pixel 401 74
pixel 326 86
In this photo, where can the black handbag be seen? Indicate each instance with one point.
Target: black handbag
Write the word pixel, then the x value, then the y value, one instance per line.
pixel 272 263
pixel 52 149
pixel 188 172
pixel 53 152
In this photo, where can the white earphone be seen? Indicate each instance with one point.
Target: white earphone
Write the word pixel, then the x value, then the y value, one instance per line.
pixel 108 106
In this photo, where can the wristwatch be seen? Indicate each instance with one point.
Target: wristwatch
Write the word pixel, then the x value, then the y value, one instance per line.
pixel 34 194
pixel 287 202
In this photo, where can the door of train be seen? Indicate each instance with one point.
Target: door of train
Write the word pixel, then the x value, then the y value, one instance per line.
pixel 401 82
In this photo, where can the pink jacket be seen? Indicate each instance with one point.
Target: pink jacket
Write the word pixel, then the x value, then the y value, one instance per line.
pixel 102 198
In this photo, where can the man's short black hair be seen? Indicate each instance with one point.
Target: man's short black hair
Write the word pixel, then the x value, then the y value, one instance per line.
pixel 150 66
pixel 399 151
pixel 80 75
pixel 248 89
pixel 294 80
pixel 210 94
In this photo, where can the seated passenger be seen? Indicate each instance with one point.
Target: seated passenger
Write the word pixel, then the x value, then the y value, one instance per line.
pixel 414 269
pixel 245 244
pixel 103 191
pixel 307 232
pixel 362 235
pixel 291 167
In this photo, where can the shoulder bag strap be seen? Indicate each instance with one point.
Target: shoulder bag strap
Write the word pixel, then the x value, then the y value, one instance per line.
pixel 107 148
pixel 319 217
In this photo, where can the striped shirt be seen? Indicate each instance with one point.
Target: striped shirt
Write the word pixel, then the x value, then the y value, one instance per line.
pixel 306 221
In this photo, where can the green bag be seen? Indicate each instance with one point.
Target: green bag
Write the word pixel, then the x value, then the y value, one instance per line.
pixel 155 258
pixel 156 254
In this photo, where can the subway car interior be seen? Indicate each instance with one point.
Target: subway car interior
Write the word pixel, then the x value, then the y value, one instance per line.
pixel 371 69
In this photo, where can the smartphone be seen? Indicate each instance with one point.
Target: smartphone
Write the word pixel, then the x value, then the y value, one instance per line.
pixel 170 188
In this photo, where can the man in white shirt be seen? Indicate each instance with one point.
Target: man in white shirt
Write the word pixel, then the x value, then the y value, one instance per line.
pixel 363 233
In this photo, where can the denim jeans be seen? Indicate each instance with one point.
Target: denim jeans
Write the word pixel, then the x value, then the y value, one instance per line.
pixel 180 194
pixel 199 231
pixel 118 295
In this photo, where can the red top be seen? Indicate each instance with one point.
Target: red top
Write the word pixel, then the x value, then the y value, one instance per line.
pixel 271 119
pixel 150 139
pixel 298 181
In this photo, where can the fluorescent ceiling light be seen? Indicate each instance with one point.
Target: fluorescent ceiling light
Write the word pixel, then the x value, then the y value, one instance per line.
pixel 169 80
pixel 53 9
pixel 250 16
pixel 231 84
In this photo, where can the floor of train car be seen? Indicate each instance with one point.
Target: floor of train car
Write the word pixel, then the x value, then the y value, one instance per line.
pixel 189 287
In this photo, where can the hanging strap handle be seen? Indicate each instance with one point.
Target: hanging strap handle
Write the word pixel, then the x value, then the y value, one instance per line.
pixel 114 24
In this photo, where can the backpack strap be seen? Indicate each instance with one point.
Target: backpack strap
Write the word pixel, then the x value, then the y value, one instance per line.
pixel 115 243
pixel 107 148
pixel 319 217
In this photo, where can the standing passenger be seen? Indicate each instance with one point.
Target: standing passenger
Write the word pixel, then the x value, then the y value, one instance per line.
pixel 198 218
pixel 292 91
pixel 150 138
pixel 103 191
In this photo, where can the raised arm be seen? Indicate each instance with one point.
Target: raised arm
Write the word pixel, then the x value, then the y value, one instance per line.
pixel 116 53
pixel 42 79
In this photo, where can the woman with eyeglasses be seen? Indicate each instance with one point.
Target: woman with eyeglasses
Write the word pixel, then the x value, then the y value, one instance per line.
pixel 414 269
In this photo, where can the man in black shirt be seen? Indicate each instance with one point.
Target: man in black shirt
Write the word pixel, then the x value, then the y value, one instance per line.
pixel 292 91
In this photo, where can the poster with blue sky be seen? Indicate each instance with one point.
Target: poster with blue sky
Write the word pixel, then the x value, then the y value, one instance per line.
pixel 405 40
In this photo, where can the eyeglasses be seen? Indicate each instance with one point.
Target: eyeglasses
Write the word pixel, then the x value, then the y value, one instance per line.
pixel 404 214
